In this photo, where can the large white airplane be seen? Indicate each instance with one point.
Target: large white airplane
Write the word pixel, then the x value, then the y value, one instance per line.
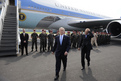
pixel 46 14
pixel 49 14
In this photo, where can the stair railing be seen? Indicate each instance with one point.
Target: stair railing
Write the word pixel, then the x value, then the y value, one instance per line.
pixel 2 17
pixel 17 29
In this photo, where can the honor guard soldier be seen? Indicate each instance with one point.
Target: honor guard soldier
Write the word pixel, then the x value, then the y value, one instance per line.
pixel 109 37
pixel 57 33
pixel 45 39
pixel 42 41
pixel 34 37
pixel 78 38
pixel 50 40
pixel 98 39
pixel 102 38
pixel 74 39
pixel 68 34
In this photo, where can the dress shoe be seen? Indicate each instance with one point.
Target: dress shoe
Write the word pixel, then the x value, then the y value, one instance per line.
pixel 48 51
pixel 88 64
pixel 64 69
pixel 83 68
pixel 56 78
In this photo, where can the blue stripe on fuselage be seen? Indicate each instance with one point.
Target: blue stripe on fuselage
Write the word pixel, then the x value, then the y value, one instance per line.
pixel 26 3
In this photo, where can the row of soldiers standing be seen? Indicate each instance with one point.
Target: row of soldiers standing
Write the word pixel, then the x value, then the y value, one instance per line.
pixel 100 38
pixel 43 40
pixel 103 38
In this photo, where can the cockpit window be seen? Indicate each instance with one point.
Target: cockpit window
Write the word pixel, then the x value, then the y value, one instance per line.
pixel 51 18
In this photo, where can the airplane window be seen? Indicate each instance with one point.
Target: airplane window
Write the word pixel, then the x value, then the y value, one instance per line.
pixel 56 4
pixel 32 7
pixel 35 7
pixel 62 6
pixel 57 18
pixel 28 6
pixel 49 18
pixel 69 8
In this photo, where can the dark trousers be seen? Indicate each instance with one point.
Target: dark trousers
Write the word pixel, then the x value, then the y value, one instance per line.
pixel 74 44
pixel 34 43
pixel 42 45
pixel 24 45
pixel 58 63
pixel 78 44
pixel 45 44
pixel 50 44
pixel 85 52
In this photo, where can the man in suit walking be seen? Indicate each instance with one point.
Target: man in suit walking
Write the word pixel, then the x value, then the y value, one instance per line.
pixel 86 47
pixel 24 41
pixel 61 49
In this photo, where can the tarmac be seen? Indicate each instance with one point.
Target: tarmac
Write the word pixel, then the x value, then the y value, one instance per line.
pixel 105 65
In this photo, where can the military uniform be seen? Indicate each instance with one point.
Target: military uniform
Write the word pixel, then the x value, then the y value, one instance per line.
pixel 99 39
pixel 42 41
pixel 50 41
pixel 74 40
pixel 45 41
pixel 34 40
pixel 68 34
pixel 78 39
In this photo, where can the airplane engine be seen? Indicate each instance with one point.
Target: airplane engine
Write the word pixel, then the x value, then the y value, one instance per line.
pixel 114 27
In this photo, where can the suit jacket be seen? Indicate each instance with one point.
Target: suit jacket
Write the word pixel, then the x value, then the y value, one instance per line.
pixel 86 41
pixel 60 49
pixel 24 38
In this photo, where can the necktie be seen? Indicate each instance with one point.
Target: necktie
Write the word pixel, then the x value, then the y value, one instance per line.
pixel 85 36
pixel 24 34
pixel 60 39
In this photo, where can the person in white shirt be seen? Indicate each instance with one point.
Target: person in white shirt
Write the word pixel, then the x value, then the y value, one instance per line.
pixel 94 39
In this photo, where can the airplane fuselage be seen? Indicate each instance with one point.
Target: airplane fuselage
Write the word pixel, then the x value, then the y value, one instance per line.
pixel 44 15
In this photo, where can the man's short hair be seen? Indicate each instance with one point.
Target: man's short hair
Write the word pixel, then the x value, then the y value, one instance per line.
pixel 62 28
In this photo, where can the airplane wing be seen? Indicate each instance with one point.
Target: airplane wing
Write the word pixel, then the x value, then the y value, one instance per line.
pixel 112 26
pixel 96 23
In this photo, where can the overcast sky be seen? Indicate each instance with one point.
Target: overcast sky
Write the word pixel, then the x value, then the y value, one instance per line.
pixel 110 8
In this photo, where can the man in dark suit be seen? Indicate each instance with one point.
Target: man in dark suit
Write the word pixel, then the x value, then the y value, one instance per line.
pixel 61 49
pixel 86 47
pixel 24 42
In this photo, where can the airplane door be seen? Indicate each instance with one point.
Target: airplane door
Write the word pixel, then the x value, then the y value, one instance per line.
pixel 12 2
